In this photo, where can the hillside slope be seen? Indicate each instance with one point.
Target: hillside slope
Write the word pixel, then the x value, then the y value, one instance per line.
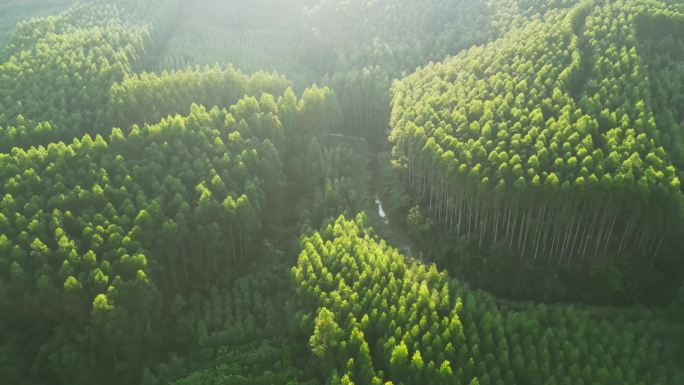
pixel 553 140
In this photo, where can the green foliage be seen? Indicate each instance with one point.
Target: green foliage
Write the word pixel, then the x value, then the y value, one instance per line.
pixel 261 34
pixel 511 14
pixel 177 201
pixel 234 332
pixel 148 97
pixel 396 196
pixel 356 47
pixel 244 365
pixel 397 35
pixel 148 220
pixel 427 329
pixel 14 11
pixel 335 180
pixel 546 140
pixel 58 71
pixel 243 312
pixel 326 334
pixel 662 46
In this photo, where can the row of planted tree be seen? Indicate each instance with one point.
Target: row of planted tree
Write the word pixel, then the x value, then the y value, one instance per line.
pixel 101 227
pixel 373 317
pixel 505 145
pixel 103 230
pixel 98 232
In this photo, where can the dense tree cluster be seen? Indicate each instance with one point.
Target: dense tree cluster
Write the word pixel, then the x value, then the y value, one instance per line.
pixel 58 72
pixel 367 53
pixel 544 140
pixel 363 95
pixel 512 14
pixel 90 223
pixel 327 41
pixel 247 317
pixel 149 97
pixel 335 180
pixel 244 365
pixel 14 11
pixel 98 235
pixel 152 202
pixel 398 35
pixel 246 311
pixel 661 43
pixel 376 318
pixel 394 37
pixel 261 34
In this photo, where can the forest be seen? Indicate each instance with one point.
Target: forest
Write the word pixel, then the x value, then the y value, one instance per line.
pixel 322 192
